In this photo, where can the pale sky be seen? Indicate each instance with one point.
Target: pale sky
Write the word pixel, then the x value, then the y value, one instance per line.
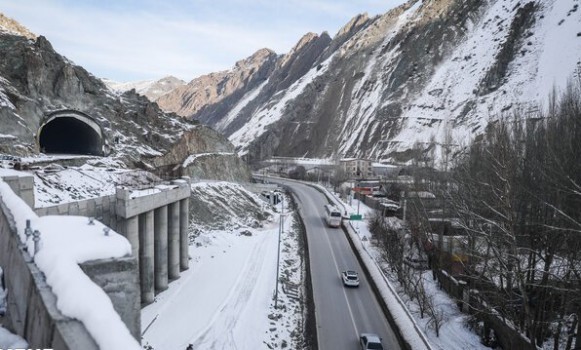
pixel 129 40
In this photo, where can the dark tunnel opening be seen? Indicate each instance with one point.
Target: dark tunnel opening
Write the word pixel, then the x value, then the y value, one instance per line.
pixel 69 135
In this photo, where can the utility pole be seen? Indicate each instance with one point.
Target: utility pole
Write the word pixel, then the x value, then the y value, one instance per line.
pixel 280 229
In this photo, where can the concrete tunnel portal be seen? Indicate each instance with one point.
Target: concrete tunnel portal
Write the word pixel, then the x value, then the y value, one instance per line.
pixel 70 132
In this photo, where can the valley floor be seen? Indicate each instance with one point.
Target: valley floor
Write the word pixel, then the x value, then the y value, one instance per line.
pixel 225 299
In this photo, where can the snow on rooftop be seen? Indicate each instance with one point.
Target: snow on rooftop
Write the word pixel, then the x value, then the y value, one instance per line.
pixel 67 241
pixel 301 161
pixel 381 165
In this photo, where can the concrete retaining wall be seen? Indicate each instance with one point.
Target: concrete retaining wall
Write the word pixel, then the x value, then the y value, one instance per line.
pixel 31 309
pixel 129 282
pixel 120 280
pixel 31 305
pixel 155 221
pixel 23 186
pixel 103 209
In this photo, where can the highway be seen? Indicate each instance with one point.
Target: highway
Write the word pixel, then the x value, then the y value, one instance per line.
pixel 341 313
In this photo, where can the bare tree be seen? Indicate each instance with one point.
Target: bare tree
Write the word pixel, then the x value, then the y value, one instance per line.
pixel 518 196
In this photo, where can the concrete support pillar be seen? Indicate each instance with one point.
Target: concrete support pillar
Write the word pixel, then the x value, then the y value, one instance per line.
pixel 184 240
pixel 160 247
pixel 132 235
pixel 146 257
pixel 173 241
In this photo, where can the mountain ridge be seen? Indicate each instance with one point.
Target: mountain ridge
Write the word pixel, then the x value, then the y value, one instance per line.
pixel 152 89
pixel 427 72
pixel 48 104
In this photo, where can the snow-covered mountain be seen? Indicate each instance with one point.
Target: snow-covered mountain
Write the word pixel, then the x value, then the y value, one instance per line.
pixel 212 93
pixel 50 105
pixel 152 89
pixel 431 71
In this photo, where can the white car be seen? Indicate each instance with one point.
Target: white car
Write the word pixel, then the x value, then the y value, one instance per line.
pixel 370 341
pixel 350 278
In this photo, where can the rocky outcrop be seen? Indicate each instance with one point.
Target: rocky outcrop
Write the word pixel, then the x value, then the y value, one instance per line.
pixel 36 81
pixel 203 153
pixel 11 26
pixel 200 139
pixel 217 166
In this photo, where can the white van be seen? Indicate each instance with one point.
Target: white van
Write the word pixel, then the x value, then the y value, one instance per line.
pixel 332 215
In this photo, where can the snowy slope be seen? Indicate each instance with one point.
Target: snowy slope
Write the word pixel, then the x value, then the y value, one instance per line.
pixel 453 101
pixel 549 62
pixel 273 112
pixel 425 72
pixel 152 89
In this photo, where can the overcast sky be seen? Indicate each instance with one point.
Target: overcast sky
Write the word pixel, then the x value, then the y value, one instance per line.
pixel 128 40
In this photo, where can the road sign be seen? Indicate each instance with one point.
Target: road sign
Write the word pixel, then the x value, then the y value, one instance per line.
pixel 355 217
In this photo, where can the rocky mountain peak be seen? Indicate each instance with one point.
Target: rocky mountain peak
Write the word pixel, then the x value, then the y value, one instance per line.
pixel 353 25
pixel 423 70
pixel 310 44
pixel 11 26
pixel 304 40
pixel 256 59
pixel 204 91
pixel 170 79
pixel 308 39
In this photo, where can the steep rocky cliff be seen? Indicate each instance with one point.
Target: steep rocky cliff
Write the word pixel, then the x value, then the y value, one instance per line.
pixel 431 72
pixel 47 103
pixel 203 153
pixel 202 95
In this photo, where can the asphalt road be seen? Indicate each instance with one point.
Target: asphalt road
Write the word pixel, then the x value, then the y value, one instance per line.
pixel 341 313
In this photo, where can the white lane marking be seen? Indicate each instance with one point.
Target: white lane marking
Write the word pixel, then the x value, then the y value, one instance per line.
pixel 339 273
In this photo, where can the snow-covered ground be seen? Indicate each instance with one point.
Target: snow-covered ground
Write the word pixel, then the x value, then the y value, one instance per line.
pixel 226 299
pixel 84 240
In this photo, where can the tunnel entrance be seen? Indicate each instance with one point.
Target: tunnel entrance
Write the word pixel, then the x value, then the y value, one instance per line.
pixel 70 133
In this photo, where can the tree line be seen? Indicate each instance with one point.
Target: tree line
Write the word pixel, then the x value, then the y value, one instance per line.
pixel 514 197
